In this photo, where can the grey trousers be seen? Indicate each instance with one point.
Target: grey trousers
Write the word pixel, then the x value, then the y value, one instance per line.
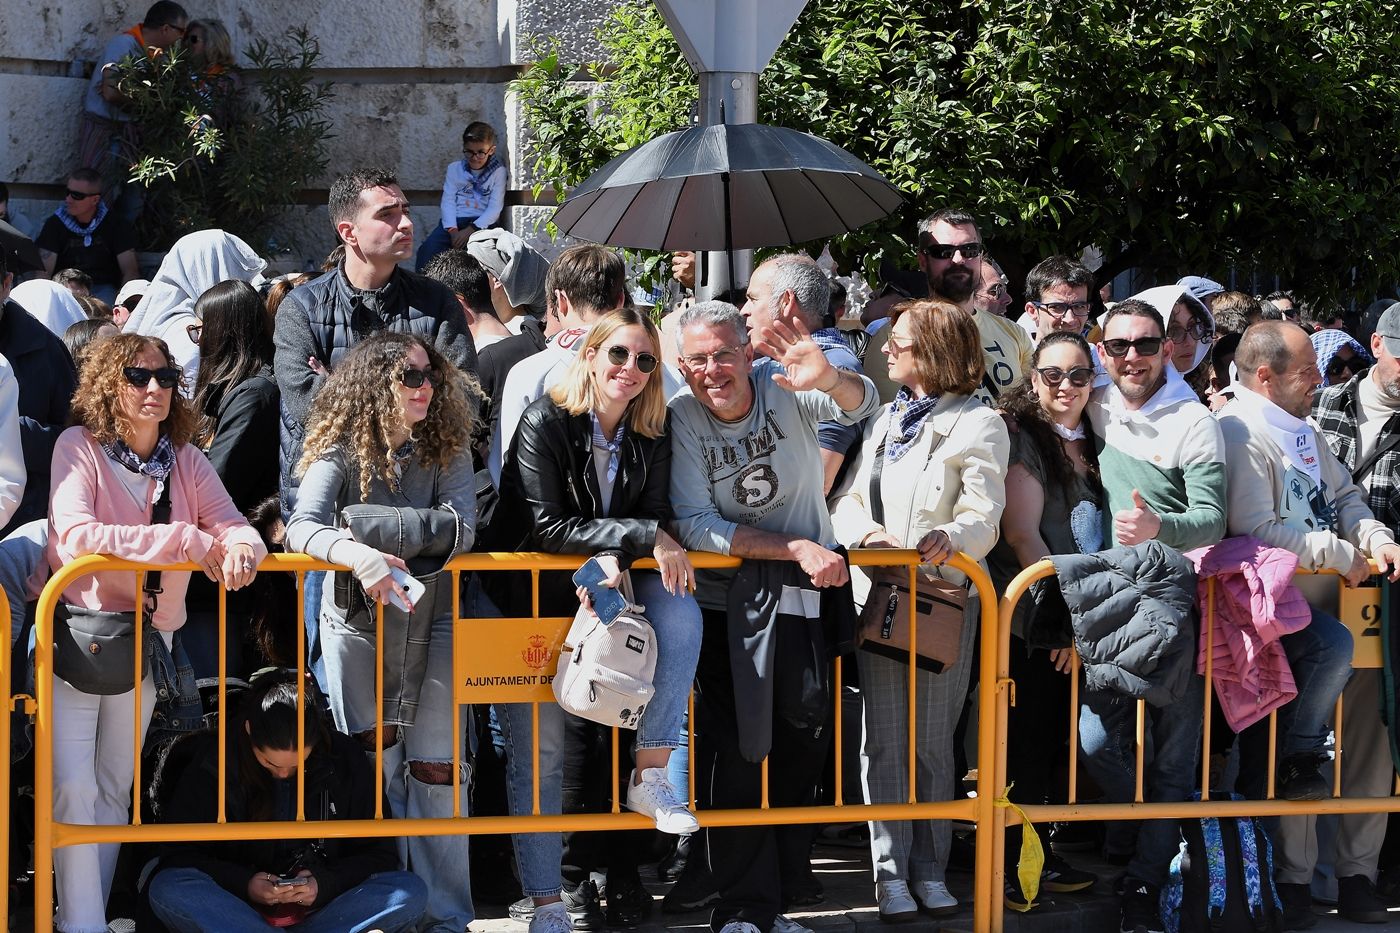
pixel 1367 771
pixel 914 850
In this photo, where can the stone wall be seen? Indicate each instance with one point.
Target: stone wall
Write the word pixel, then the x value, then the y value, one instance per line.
pixel 404 89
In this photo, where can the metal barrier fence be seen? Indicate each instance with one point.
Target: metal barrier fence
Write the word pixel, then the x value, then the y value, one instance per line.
pixel 1359 611
pixel 493 644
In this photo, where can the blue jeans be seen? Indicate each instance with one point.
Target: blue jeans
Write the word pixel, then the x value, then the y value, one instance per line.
pixel 311 600
pixel 437 242
pixel 1320 657
pixel 189 901
pixel 676 620
pixel 21 556
pixel 1107 723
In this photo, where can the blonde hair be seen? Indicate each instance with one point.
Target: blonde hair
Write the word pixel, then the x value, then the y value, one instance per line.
pixel 218 45
pixel 357 410
pixel 577 392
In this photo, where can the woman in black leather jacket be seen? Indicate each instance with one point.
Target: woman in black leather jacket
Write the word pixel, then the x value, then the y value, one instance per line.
pixel 589 472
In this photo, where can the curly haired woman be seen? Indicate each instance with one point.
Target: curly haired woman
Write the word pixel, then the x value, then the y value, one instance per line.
pixel 127 454
pixel 387 485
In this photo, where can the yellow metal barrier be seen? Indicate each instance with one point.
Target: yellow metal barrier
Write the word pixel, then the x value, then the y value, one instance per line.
pixel 522 645
pixel 1359 610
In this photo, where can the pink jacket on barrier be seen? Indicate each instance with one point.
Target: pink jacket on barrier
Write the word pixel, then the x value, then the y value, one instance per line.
pixel 1256 603
pixel 91 511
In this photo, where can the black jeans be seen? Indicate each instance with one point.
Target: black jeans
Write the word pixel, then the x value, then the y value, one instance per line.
pixel 587 781
pixel 1037 734
pixel 750 863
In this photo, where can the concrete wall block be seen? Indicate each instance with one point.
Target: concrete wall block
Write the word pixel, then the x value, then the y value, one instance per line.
pixel 572 22
pixel 38 127
pixel 433 34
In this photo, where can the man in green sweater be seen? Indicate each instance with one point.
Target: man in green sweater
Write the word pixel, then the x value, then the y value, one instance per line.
pixel 1162 460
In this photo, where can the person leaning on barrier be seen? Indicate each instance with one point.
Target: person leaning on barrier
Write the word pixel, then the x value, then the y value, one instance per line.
pixel 387 485
pixel 1289 490
pixel 744 482
pixel 942 489
pixel 588 472
pixel 1054 505
pixel 240 885
pixel 129 446
pixel 1162 462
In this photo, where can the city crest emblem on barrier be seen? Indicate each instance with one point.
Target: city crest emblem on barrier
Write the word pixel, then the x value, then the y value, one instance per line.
pixel 538 654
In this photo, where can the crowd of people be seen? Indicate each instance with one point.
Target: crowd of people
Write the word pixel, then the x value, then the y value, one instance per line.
pixel 387 421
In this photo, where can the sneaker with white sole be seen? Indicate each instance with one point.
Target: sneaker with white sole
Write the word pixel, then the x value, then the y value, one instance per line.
pixel 933 898
pixel 895 903
pixel 551 918
pixel 654 796
pixel 785 924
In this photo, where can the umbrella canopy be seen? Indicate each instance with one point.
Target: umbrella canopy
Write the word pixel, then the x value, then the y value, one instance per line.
pixel 725 188
pixel 19 247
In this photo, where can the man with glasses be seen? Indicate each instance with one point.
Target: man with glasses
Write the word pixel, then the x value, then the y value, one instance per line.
pixel 1057 297
pixel 744 440
pixel 84 235
pixel 992 296
pixel 950 254
pixel 1162 461
pixel 105 127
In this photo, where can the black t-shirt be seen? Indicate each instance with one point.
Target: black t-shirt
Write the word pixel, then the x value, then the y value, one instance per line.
pixel 109 240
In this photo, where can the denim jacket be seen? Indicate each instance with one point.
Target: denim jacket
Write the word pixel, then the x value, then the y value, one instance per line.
pixel 179 708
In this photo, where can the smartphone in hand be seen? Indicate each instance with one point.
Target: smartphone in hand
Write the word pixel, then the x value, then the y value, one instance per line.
pixel 411 586
pixel 607 601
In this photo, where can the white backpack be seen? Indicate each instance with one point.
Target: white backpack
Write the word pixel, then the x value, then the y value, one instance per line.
pixel 605 671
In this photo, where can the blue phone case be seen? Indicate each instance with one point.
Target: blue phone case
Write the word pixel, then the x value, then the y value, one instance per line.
pixel 607 601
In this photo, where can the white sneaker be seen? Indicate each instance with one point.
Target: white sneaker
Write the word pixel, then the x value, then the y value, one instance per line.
pixel 933 897
pixel 655 797
pixel 895 902
pixel 551 918
pixel 739 926
pixel 784 924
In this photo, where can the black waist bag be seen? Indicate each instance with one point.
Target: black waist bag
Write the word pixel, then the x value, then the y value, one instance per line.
pixel 95 651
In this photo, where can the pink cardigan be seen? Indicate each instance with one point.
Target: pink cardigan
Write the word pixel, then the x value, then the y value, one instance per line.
pixel 1256 603
pixel 92 512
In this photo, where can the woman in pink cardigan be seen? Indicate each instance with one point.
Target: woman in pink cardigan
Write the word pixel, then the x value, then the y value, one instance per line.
pixel 109 473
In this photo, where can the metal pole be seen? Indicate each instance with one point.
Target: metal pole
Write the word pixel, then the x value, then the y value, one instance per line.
pixel 725 97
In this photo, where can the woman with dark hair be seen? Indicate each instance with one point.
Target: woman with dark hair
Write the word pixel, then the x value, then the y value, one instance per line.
pixel 235 396
pixel 1054 505
pixel 331 884
pixel 78 337
pixel 935 457
pixel 126 482
pixel 589 472
pixel 388 490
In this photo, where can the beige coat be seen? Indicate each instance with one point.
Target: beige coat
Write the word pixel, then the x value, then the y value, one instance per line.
pixel 952 480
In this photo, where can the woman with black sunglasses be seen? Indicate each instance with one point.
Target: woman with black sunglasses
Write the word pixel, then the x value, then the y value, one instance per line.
pixel 127 483
pixel 1054 505
pixel 388 490
pixel 589 472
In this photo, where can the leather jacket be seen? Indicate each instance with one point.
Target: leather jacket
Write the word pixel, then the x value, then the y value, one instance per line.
pixel 549 490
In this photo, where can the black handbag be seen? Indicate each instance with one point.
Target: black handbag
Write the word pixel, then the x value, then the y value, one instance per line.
pixel 94 650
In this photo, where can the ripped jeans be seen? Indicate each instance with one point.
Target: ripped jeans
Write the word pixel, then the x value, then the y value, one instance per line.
pixel 441 861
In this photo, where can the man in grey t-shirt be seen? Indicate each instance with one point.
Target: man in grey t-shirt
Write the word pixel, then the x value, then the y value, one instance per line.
pixel 746 480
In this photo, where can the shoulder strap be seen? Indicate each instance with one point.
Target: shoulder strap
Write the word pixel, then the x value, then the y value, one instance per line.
pixel 877 504
pixel 160 515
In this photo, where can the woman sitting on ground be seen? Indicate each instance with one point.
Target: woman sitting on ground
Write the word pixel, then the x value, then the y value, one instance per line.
pixel 329 884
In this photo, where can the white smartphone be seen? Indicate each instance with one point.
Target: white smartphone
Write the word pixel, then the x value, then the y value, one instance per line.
pixel 410 585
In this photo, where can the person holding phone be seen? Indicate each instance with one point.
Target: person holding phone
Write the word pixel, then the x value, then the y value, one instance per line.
pixel 331 884
pixel 387 488
pixel 588 472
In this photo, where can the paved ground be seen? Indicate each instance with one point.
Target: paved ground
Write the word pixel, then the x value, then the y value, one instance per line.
pixel 845 876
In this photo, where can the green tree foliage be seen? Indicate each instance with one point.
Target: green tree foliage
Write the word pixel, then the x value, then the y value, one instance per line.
pixel 224 150
pixel 1183 135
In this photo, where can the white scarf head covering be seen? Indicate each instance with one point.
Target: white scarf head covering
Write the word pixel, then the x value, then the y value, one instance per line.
pixel 52 304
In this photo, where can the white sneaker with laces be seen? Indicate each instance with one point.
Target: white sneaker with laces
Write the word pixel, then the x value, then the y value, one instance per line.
pixel 739 926
pixel 551 918
pixel 933 897
pixel 784 924
pixel 895 902
pixel 654 796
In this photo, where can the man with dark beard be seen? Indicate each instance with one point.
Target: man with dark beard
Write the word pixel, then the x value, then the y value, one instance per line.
pixel 950 255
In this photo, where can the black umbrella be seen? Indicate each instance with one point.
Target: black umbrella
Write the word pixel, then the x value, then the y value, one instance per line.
pixel 727 187
pixel 19 247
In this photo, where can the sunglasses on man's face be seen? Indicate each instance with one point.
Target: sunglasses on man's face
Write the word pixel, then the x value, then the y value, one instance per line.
pixel 167 377
pixel 948 250
pixel 1079 377
pixel 1145 346
pixel 413 378
pixel 82 195
pixel 618 356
